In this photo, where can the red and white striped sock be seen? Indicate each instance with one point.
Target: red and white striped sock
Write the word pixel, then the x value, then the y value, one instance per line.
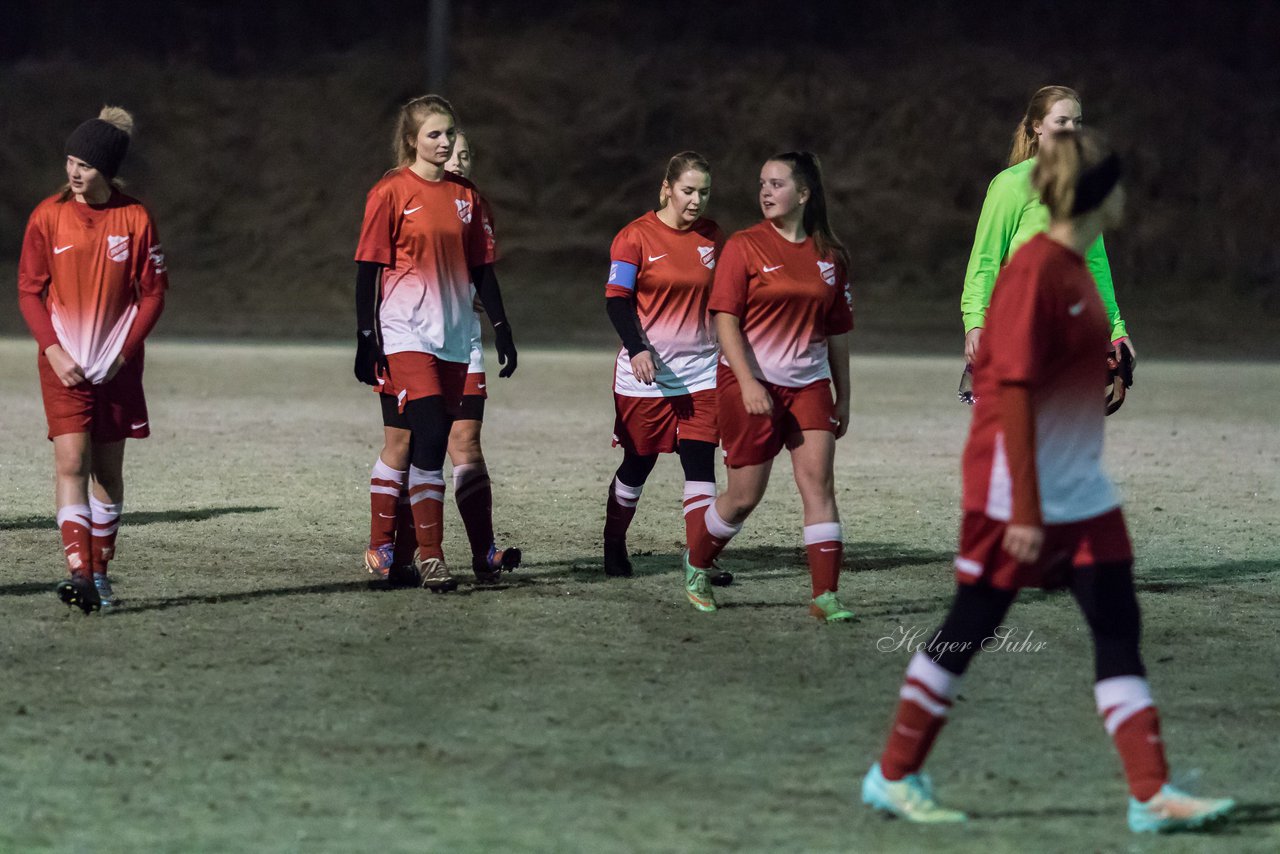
pixel 75 523
pixel 620 509
pixel 474 495
pixel 698 496
pixel 711 533
pixel 105 519
pixel 1133 723
pixel 426 496
pixel 385 484
pixel 923 702
pixel 824 545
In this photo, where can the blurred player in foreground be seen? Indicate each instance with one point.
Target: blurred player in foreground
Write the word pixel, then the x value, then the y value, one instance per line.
pixel 425 240
pixel 664 380
pixel 91 285
pixel 1038 509
pixel 783 314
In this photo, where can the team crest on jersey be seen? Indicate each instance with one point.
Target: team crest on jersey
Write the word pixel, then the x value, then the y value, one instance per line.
pixel 118 247
pixel 708 254
pixel 828 271
pixel 464 209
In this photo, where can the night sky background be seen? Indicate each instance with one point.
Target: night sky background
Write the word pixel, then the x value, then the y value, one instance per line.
pixel 262 125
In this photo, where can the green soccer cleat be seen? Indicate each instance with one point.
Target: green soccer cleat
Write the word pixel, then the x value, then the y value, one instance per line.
pixel 1172 809
pixel 828 608
pixel 697 586
pixel 910 798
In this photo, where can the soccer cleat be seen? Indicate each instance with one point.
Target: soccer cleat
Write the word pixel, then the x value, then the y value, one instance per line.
pixel 617 563
pixel 79 591
pixel 1172 809
pixel 828 608
pixel 379 560
pixel 436 576
pixel 404 575
pixel 719 577
pixel 488 570
pixel 910 798
pixel 106 596
pixel 697 586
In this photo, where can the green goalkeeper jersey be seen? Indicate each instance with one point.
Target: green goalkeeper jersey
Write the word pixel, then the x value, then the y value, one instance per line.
pixel 1011 215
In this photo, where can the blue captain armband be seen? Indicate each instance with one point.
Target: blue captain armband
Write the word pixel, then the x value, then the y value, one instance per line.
pixel 623 275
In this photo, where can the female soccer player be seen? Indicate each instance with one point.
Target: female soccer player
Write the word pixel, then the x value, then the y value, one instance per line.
pixel 91 285
pixel 664 381
pixel 424 242
pixel 1038 509
pixel 1013 213
pixel 783 313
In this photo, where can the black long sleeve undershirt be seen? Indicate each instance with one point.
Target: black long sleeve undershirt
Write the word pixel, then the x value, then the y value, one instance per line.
pixel 486 282
pixel 367 297
pixel 623 316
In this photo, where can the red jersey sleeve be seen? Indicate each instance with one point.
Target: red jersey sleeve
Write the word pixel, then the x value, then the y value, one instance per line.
pixel 1016 329
pixel 729 288
pixel 490 226
pixel 624 264
pixel 377 232
pixel 481 246
pixel 839 319
pixel 153 280
pixel 33 283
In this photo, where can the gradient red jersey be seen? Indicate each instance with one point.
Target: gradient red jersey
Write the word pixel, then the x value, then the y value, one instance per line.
pixel 428 235
pixel 788 301
pixel 1046 330
pixel 668 272
pixel 91 279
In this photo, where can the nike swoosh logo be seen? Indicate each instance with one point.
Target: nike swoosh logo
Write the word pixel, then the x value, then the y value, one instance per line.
pixel 387 516
pixel 138 426
pixel 821 549
pixel 771 269
pixel 480 385
pixel 653 258
pixel 408 211
pixel 1076 309
pixel 58 250
pixel 833 420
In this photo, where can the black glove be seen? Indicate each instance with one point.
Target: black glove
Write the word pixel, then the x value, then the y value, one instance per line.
pixel 506 349
pixel 369 358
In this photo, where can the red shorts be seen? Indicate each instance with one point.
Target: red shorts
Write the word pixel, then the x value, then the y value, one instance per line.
pixel 982 558
pixel 109 412
pixel 750 440
pixel 476 385
pixel 652 425
pixel 413 375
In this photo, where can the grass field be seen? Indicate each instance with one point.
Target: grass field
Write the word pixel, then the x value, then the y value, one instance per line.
pixel 254 694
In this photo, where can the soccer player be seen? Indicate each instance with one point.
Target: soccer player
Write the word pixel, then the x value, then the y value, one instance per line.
pixel 1012 214
pixel 1039 511
pixel 425 241
pixel 783 313
pixel 91 283
pixel 664 380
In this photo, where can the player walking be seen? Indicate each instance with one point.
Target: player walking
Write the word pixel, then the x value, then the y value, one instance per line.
pixel 664 380
pixel 424 242
pixel 1038 509
pixel 91 285
pixel 1012 214
pixel 783 313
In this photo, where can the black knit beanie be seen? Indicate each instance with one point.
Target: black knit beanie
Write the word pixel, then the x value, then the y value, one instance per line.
pixel 100 144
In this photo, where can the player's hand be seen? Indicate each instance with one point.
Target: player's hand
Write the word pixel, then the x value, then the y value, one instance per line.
pixel 1125 343
pixel 1023 542
pixel 506 348
pixel 756 399
pixel 69 373
pixel 842 416
pixel 643 368
pixel 115 368
pixel 971 340
pixel 369 358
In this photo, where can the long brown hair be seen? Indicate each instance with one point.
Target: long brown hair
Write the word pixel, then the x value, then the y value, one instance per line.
pixel 677 166
pixel 1058 173
pixel 409 122
pixel 1025 142
pixel 807 171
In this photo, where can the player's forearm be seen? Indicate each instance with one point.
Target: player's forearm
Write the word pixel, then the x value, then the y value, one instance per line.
pixel 486 282
pixel 36 314
pixel 367 297
pixel 626 322
pixel 838 357
pixel 1100 267
pixel 150 306
pixel 1017 418
pixel 733 345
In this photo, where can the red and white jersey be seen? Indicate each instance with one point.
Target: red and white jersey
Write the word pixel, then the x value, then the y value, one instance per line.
pixel 788 301
pixel 91 264
pixel 668 272
pixel 1046 330
pixel 428 235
